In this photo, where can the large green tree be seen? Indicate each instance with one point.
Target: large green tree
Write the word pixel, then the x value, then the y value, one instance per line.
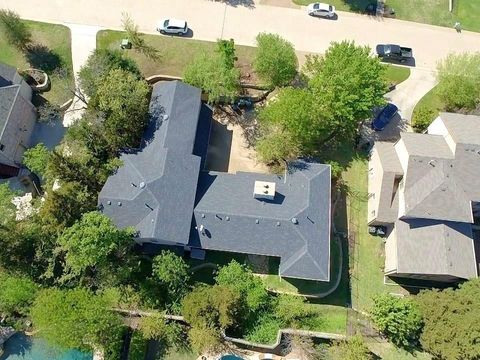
pixel 211 73
pixel 36 159
pixel 347 83
pixel 91 243
pixel 7 208
pixel 99 64
pixel 123 99
pixel 74 318
pixel 275 61
pixel 452 321
pixel 398 318
pixel 458 78
pixel 16 294
pixel 172 272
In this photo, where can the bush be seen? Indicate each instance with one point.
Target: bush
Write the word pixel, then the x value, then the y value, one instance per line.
pixel 459 81
pixel 422 118
pixel 36 159
pixel 16 294
pixel 276 61
pixel 398 319
pixel 15 30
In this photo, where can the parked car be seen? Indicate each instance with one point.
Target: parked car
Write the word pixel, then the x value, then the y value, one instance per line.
pixel 172 26
pixel 394 52
pixel 321 9
pixel 384 117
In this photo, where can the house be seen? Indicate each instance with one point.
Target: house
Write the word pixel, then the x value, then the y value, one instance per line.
pixel 425 189
pixel 17 120
pixel 163 190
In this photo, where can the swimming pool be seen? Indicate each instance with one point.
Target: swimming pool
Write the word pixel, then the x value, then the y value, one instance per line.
pixel 230 357
pixel 22 347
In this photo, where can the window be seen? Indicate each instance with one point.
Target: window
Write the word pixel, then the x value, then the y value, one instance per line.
pixel 373 213
pixel 2 147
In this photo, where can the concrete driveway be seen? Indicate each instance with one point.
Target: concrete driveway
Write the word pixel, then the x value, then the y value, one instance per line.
pixel 211 20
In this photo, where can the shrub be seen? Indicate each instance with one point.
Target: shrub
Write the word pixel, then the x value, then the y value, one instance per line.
pixel 422 118
pixel 15 30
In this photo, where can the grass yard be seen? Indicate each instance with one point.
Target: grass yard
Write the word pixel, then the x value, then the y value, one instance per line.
pixel 55 55
pixel 396 74
pixel 176 53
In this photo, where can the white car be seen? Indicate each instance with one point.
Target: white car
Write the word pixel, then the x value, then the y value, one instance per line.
pixel 321 9
pixel 172 26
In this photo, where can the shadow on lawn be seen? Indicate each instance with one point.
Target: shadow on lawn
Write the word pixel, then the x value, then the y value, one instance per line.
pixel 41 57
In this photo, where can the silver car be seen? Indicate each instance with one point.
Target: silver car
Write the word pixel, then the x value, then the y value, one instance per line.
pixel 321 9
pixel 172 26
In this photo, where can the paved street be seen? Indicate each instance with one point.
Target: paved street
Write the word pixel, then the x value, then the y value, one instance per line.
pixel 211 20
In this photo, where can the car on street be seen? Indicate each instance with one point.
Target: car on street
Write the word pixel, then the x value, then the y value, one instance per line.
pixel 172 26
pixel 321 9
pixel 394 52
pixel 384 117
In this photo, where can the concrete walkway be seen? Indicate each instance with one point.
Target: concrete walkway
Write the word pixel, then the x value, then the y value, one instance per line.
pixel 211 20
pixel 84 41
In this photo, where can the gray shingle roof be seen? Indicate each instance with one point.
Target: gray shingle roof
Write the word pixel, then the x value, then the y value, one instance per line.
pixel 423 145
pixel 436 248
pixel 8 97
pixel 157 184
pixel 388 157
pixel 9 75
pixel 158 190
pixel 464 129
pixel 234 221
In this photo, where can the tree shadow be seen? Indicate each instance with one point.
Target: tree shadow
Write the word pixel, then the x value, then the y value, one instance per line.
pixel 41 57
pixel 235 3
pixel 360 6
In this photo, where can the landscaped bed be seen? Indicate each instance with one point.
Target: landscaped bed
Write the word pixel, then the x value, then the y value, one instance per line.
pixel 54 57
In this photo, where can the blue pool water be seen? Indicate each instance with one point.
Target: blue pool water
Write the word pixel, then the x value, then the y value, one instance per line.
pixel 22 347
pixel 230 357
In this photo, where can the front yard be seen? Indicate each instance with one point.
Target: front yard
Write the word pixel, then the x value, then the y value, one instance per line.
pixel 175 53
pixel 54 57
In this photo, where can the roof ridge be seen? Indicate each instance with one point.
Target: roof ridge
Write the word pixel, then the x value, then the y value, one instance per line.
pixel 11 107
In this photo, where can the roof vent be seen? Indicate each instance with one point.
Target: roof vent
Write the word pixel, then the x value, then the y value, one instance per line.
pixel 432 163
pixel 227 218
pixel 278 223
pixel 295 220
pixel 201 228
pixel 264 190
pixel 142 185
pixel 203 216
pixel 119 203
pixel 109 202
pixel 165 117
pixel 257 221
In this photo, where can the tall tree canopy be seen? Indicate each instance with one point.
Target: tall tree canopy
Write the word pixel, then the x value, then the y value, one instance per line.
pixel 16 294
pixel 275 61
pixel 172 272
pixel 36 159
pixel 74 318
pixel 452 321
pixel 398 318
pixel 123 99
pixel 347 84
pixel 90 243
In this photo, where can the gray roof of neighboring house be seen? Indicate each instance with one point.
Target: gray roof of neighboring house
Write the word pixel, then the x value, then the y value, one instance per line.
pixel 9 75
pixel 233 220
pixel 426 145
pixel 464 129
pixel 388 157
pixel 156 186
pixel 435 247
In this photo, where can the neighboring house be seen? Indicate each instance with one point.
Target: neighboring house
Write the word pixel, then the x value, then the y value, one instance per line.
pixel 163 191
pixel 17 120
pixel 426 189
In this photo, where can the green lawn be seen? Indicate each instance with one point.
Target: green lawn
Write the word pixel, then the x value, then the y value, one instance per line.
pixel 176 53
pixel 332 319
pixel 432 101
pixel 396 74
pixel 434 12
pixel 56 55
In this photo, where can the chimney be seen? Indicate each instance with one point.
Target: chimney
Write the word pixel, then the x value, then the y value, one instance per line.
pixel 264 190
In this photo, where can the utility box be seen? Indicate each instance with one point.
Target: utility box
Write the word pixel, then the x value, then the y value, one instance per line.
pixel 125 44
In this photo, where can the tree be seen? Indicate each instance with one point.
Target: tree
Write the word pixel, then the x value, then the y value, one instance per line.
pixel 172 272
pixel 7 208
pixel 15 30
pixel 137 39
pixel 36 159
pixel 155 327
pixel 123 99
pixel 210 310
pixel 16 294
pixel 90 242
pixel 290 310
pixel 352 349
pixel 275 146
pixel 397 318
pixel 347 83
pixel 74 318
pixel 99 64
pixel 226 48
pixel 452 321
pixel 241 279
pixel 275 60
pixel 459 81
pixel 209 72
